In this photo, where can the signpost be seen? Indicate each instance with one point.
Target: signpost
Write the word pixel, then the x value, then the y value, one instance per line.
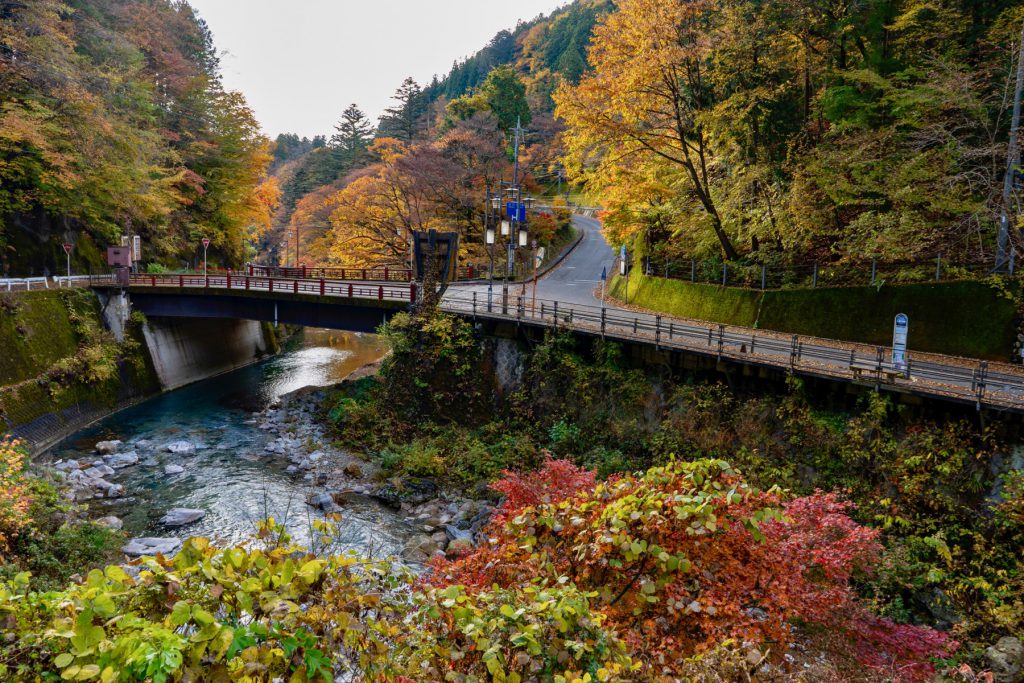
pixel 67 250
pixel 604 278
pixel 899 341
pixel 206 244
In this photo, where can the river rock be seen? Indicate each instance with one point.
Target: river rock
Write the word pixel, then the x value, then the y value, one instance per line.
pixel 66 466
pixel 173 469
pixel 107 447
pixel 1006 660
pixel 456 534
pixel 111 522
pixel 121 460
pixel 99 471
pixel 182 516
pixel 322 501
pixel 419 548
pixel 413 490
pixel 353 470
pixel 180 448
pixel 151 546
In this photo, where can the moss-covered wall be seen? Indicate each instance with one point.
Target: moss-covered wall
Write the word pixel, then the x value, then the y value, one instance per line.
pixel 972 319
pixel 60 368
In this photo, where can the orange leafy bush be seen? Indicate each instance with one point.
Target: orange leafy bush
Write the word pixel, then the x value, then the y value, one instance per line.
pixel 14 495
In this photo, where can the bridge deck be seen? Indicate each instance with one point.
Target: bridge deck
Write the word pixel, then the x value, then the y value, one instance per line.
pixel 998 386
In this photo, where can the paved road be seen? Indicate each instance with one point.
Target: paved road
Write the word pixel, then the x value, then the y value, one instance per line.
pixel 574 281
pixel 576 284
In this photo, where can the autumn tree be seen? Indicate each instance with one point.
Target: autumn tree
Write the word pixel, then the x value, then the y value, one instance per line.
pixel 648 96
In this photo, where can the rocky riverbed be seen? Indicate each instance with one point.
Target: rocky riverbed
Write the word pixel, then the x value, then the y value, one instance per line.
pixel 215 458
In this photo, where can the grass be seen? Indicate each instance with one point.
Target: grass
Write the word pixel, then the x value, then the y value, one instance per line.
pixel 686 300
pixel 957 318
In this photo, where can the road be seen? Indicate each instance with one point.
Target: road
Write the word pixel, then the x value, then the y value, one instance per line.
pixel 575 286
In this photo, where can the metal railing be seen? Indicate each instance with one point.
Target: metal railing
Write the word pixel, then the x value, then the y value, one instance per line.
pixel 995 385
pixel 871 272
pixel 983 383
pixel 359 274
pixel 318 287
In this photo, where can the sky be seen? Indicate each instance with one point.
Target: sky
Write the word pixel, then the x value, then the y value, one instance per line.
pixel 301 62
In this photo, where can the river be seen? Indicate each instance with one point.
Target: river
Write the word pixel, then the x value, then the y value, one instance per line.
pixel 230 476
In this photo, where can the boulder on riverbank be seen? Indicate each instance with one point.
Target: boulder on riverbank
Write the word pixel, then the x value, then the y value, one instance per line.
pixel 182 516
pixel 137 547
pixel 121 460
pixel 108 447
pixel 173 469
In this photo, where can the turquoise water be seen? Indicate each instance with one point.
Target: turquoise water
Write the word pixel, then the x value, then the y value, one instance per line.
pixel 230 476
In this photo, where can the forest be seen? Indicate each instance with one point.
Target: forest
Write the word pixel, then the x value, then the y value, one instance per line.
pixel 796 131
pixel 114 121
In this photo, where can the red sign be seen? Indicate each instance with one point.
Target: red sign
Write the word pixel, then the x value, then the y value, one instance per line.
pixel 206 243
pixel 68 247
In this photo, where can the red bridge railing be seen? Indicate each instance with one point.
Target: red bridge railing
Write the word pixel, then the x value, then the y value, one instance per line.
pixel 374 274
pixel 319 287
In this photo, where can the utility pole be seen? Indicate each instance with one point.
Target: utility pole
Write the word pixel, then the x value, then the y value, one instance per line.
pixel 1004 245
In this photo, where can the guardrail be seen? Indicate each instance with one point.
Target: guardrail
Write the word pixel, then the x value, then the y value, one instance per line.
pixel 994 385
pixel 318 287
pixel 360 274
pixel 851 273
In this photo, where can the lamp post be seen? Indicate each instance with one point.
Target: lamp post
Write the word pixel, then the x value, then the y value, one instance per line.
pixel 206 245
pixel 489 240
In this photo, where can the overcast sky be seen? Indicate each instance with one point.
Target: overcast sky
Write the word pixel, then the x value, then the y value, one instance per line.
pixel 301 62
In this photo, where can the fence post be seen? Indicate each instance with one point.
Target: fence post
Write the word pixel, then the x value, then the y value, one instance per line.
pixel 519 308
pixel 321 286
pixel 229 279
pixel 874 270
pixel 793 351
pixel 270 284
pixel 814 282
pixel 603 320
pixel 764 275
pixel 364 274
pixel 982 373
pixel 247 279
pixel 380 293
pixel 721 340
pixel 181 281
pixel 385 273
pixel 350 291
pixel 556 314
pixel 474 305
pixel 657 332
pixel 295 286
pixel 938 267
pixel 725 272
pixel 670 330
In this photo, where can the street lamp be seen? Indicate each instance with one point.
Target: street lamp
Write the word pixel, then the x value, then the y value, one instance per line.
pixel 206 244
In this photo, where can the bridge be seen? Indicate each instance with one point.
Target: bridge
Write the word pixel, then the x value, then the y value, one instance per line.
pixel 360 299
pixel 362 305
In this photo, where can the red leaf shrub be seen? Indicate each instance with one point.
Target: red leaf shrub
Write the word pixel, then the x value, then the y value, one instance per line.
pixel 686 556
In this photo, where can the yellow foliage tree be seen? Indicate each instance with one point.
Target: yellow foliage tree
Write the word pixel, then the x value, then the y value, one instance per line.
pixel 646 98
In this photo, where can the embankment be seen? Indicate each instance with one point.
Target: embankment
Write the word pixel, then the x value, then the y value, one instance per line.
pixel 972 319
pixel 68 358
